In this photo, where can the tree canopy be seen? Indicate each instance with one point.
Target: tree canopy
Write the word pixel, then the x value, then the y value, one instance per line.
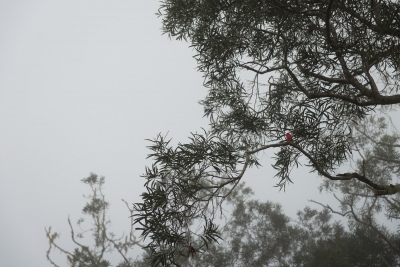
pixel 315 69
pixel 258 233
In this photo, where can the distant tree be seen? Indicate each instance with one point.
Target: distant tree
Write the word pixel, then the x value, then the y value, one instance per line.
pixel 378 146
pixel 328 244
pixel 310 68
pixel 102 240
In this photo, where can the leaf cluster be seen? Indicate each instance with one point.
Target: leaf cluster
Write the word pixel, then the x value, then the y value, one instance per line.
pixel 184 187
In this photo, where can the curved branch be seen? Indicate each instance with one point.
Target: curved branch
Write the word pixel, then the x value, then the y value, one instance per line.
pixel 376 188
pixel 329 208
pixel 53 243
pixel 84 248
pixel 379 190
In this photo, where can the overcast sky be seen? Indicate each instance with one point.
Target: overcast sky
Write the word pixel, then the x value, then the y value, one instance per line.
pixel 82 85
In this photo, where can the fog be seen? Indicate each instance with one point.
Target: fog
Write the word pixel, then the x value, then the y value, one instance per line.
pixel 82 85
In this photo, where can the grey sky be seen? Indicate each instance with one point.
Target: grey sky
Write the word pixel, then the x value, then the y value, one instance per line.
pixel 82 84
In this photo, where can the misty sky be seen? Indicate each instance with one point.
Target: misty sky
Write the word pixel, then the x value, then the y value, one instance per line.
pixel 82 85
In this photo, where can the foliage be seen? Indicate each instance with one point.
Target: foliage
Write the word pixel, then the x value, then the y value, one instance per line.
pixel 260 234
pixel 311 68
pixel 105 242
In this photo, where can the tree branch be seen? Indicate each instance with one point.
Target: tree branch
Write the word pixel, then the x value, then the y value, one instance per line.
pixel 379 190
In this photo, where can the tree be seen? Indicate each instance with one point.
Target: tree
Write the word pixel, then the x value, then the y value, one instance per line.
pixel 329 244
pixel 104 241
pixel 260 234
pixel 379 159
pixel 311 68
